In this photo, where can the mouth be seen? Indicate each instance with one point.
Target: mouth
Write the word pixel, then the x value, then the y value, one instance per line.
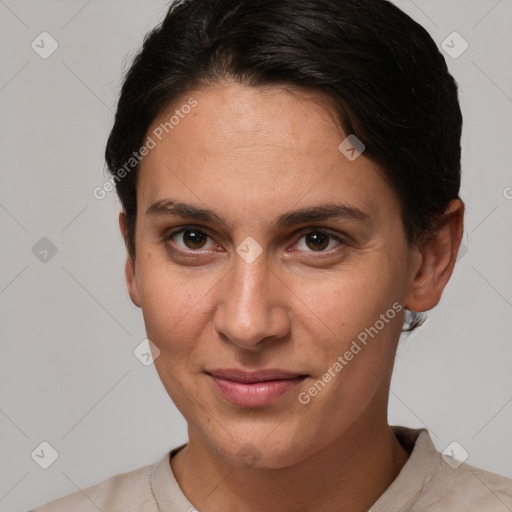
pixel 254 389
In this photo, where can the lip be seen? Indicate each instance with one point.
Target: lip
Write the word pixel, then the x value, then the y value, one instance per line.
pixel 253 389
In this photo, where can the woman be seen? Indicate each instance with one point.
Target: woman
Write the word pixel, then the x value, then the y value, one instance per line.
pixel 289 174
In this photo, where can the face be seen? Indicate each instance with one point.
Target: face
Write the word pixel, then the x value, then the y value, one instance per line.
pixel 260 245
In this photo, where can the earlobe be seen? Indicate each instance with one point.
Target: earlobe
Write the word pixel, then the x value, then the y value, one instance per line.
pixel 129 268
pixel 131 281
pixel 438 257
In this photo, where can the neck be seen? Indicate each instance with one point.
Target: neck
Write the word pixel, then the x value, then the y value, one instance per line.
pixel 350 473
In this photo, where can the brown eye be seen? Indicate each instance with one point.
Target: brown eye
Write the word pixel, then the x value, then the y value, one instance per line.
pixel 317 241
pixel 191 239
pixel 194 239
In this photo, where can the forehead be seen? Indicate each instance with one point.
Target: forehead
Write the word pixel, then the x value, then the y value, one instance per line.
pixel 261 149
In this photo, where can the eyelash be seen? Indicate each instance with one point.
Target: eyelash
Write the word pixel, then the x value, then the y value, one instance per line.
pixel 302 233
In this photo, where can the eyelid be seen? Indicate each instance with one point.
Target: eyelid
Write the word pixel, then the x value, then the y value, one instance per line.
pixel 185 227
pixel 318 229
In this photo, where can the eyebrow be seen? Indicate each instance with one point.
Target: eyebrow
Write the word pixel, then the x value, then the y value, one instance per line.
pixel 322 212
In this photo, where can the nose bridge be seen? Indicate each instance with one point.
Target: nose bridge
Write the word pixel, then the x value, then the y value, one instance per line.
pixel 249 308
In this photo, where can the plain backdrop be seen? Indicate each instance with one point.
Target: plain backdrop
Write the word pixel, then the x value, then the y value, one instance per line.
pixel 68 329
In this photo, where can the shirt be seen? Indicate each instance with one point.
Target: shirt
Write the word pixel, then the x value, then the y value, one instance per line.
pixel 428 482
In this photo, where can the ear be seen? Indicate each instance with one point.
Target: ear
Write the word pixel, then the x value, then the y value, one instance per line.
pixel 438 256
pixel 129 267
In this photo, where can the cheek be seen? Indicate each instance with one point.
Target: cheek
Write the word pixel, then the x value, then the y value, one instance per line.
pixel 348 301
pixel 358 315
pixel 173 306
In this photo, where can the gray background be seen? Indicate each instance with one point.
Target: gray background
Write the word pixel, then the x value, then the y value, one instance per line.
pixel 68 329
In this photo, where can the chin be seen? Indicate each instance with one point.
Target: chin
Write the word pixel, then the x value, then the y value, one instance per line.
pixel 257 451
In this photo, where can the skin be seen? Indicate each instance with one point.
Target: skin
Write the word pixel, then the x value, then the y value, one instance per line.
pixel 251 155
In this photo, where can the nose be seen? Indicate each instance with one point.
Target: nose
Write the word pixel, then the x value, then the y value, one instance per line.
pixel 251 305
